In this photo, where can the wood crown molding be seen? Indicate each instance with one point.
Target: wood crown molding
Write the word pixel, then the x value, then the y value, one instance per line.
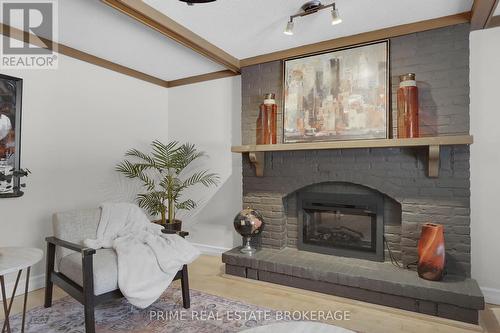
pixel 89 58
pixel 156 20
pixel 365 37
pixel 494 22
pixel 201 78
pixel 20 35
pixel 279 55
pixel 481 13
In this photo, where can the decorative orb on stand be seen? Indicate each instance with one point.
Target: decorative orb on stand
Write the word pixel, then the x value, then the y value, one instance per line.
pixel 248 223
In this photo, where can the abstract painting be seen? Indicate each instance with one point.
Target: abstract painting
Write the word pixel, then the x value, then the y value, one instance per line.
pixel 339 95
pixel 10 135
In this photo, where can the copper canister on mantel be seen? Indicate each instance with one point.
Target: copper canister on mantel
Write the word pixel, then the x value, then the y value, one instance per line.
pixel 408 126
pixel 266 130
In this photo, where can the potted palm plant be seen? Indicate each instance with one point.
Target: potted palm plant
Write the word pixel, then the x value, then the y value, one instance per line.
pixel 164 175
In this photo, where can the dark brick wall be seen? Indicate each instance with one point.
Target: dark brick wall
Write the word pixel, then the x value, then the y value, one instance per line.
pixel 440 60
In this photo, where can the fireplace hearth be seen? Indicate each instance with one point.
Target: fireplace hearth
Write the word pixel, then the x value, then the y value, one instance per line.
pixel 348 225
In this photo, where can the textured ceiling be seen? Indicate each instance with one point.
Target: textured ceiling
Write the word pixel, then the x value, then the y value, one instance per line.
pixel 95 28
pixel 246 28
pixel 243 28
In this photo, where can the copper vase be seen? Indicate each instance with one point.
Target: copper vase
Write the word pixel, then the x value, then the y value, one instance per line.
pixel 266 128
pixel 431 252
pixel 408 126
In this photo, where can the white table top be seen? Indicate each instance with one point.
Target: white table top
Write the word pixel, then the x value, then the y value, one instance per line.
pixel 13 259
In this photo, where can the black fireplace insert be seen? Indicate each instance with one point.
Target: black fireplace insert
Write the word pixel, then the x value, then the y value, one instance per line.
pixel 348 225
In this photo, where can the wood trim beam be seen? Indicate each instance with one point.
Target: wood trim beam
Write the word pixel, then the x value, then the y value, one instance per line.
pixel 365 37
pixel 494 22
pixel 156 20
pixel 201 78
pixel 18 34
pixel 482 11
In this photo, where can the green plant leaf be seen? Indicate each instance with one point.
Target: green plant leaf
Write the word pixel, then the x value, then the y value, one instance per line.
pixel 201 177
pixel 163 154
pixel 152 202
pixel 149 161
pixel 186 205
pixel 186 154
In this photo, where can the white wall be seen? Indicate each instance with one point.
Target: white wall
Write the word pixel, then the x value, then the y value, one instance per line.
pixel 77 123
pixel 485 160
pixel 208 114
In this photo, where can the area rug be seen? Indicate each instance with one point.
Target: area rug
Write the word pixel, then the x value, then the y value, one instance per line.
pixel 298 327
pixel 208 314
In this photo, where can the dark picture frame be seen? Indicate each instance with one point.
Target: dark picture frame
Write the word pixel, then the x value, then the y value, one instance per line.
pixel 340 94
pixel 11 91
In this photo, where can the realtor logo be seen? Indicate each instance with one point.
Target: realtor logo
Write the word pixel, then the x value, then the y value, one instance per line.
pixel 29 31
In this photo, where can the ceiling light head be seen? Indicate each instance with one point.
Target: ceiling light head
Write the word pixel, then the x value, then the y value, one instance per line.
pixel 192 2
pixel 335 16
pixel 289 28
pixel 311 6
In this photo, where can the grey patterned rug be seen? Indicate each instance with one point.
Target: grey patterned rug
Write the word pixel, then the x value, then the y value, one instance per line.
pixel 208 314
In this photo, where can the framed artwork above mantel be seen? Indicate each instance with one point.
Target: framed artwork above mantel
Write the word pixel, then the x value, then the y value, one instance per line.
pixel 342 94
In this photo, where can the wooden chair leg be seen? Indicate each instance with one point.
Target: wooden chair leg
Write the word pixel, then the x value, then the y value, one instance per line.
pixel 88 293
pixel 49 286
pixel 186 299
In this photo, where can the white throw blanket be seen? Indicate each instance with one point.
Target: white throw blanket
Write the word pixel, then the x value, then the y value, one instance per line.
pixel 147 259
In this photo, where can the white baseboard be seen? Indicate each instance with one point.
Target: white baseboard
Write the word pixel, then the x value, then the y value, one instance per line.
pixel 210 249
pixel 491 295
pixel 36 282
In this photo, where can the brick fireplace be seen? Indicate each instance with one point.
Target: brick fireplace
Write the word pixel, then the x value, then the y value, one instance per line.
pixel 398 174
pixel 396 177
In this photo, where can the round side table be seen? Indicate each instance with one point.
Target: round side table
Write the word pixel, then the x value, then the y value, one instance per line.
pixel 14 259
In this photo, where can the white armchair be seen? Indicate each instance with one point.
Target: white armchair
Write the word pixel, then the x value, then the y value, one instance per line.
pixel 90 276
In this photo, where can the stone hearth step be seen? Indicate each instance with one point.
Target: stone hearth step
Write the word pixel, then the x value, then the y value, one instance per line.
pixel 375 282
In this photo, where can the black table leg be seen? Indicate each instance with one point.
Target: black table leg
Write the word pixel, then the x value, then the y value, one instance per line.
pixel 4 301
pixel 25 297
pixel 6 324
pixel 6 309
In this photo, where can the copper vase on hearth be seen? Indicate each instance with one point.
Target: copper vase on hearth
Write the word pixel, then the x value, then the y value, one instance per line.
pixel 431 252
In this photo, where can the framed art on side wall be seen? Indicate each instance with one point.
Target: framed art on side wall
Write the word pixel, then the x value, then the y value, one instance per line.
pixel 10 135
pixel 339 95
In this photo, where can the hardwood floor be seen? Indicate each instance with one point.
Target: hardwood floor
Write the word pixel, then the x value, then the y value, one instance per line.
pixel 206 274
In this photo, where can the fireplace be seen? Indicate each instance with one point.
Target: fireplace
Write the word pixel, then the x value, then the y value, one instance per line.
pixel 349 225
pixel 395 176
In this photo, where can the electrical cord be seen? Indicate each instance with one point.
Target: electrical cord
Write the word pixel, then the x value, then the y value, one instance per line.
pixel 394 261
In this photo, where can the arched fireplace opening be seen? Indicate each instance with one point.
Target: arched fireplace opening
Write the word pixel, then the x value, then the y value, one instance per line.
pixel 344 219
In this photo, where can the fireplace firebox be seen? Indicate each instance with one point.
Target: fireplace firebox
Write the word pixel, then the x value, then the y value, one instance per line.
pixel 349 225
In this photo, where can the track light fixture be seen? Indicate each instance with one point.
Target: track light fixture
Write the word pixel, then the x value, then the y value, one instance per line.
pixel 312 7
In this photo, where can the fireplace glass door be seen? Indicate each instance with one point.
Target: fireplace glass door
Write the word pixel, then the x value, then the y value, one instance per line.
pixel 340 227
pixel 341 224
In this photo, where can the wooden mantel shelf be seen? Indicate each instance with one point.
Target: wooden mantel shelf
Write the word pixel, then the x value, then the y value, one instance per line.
pixel 257 152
